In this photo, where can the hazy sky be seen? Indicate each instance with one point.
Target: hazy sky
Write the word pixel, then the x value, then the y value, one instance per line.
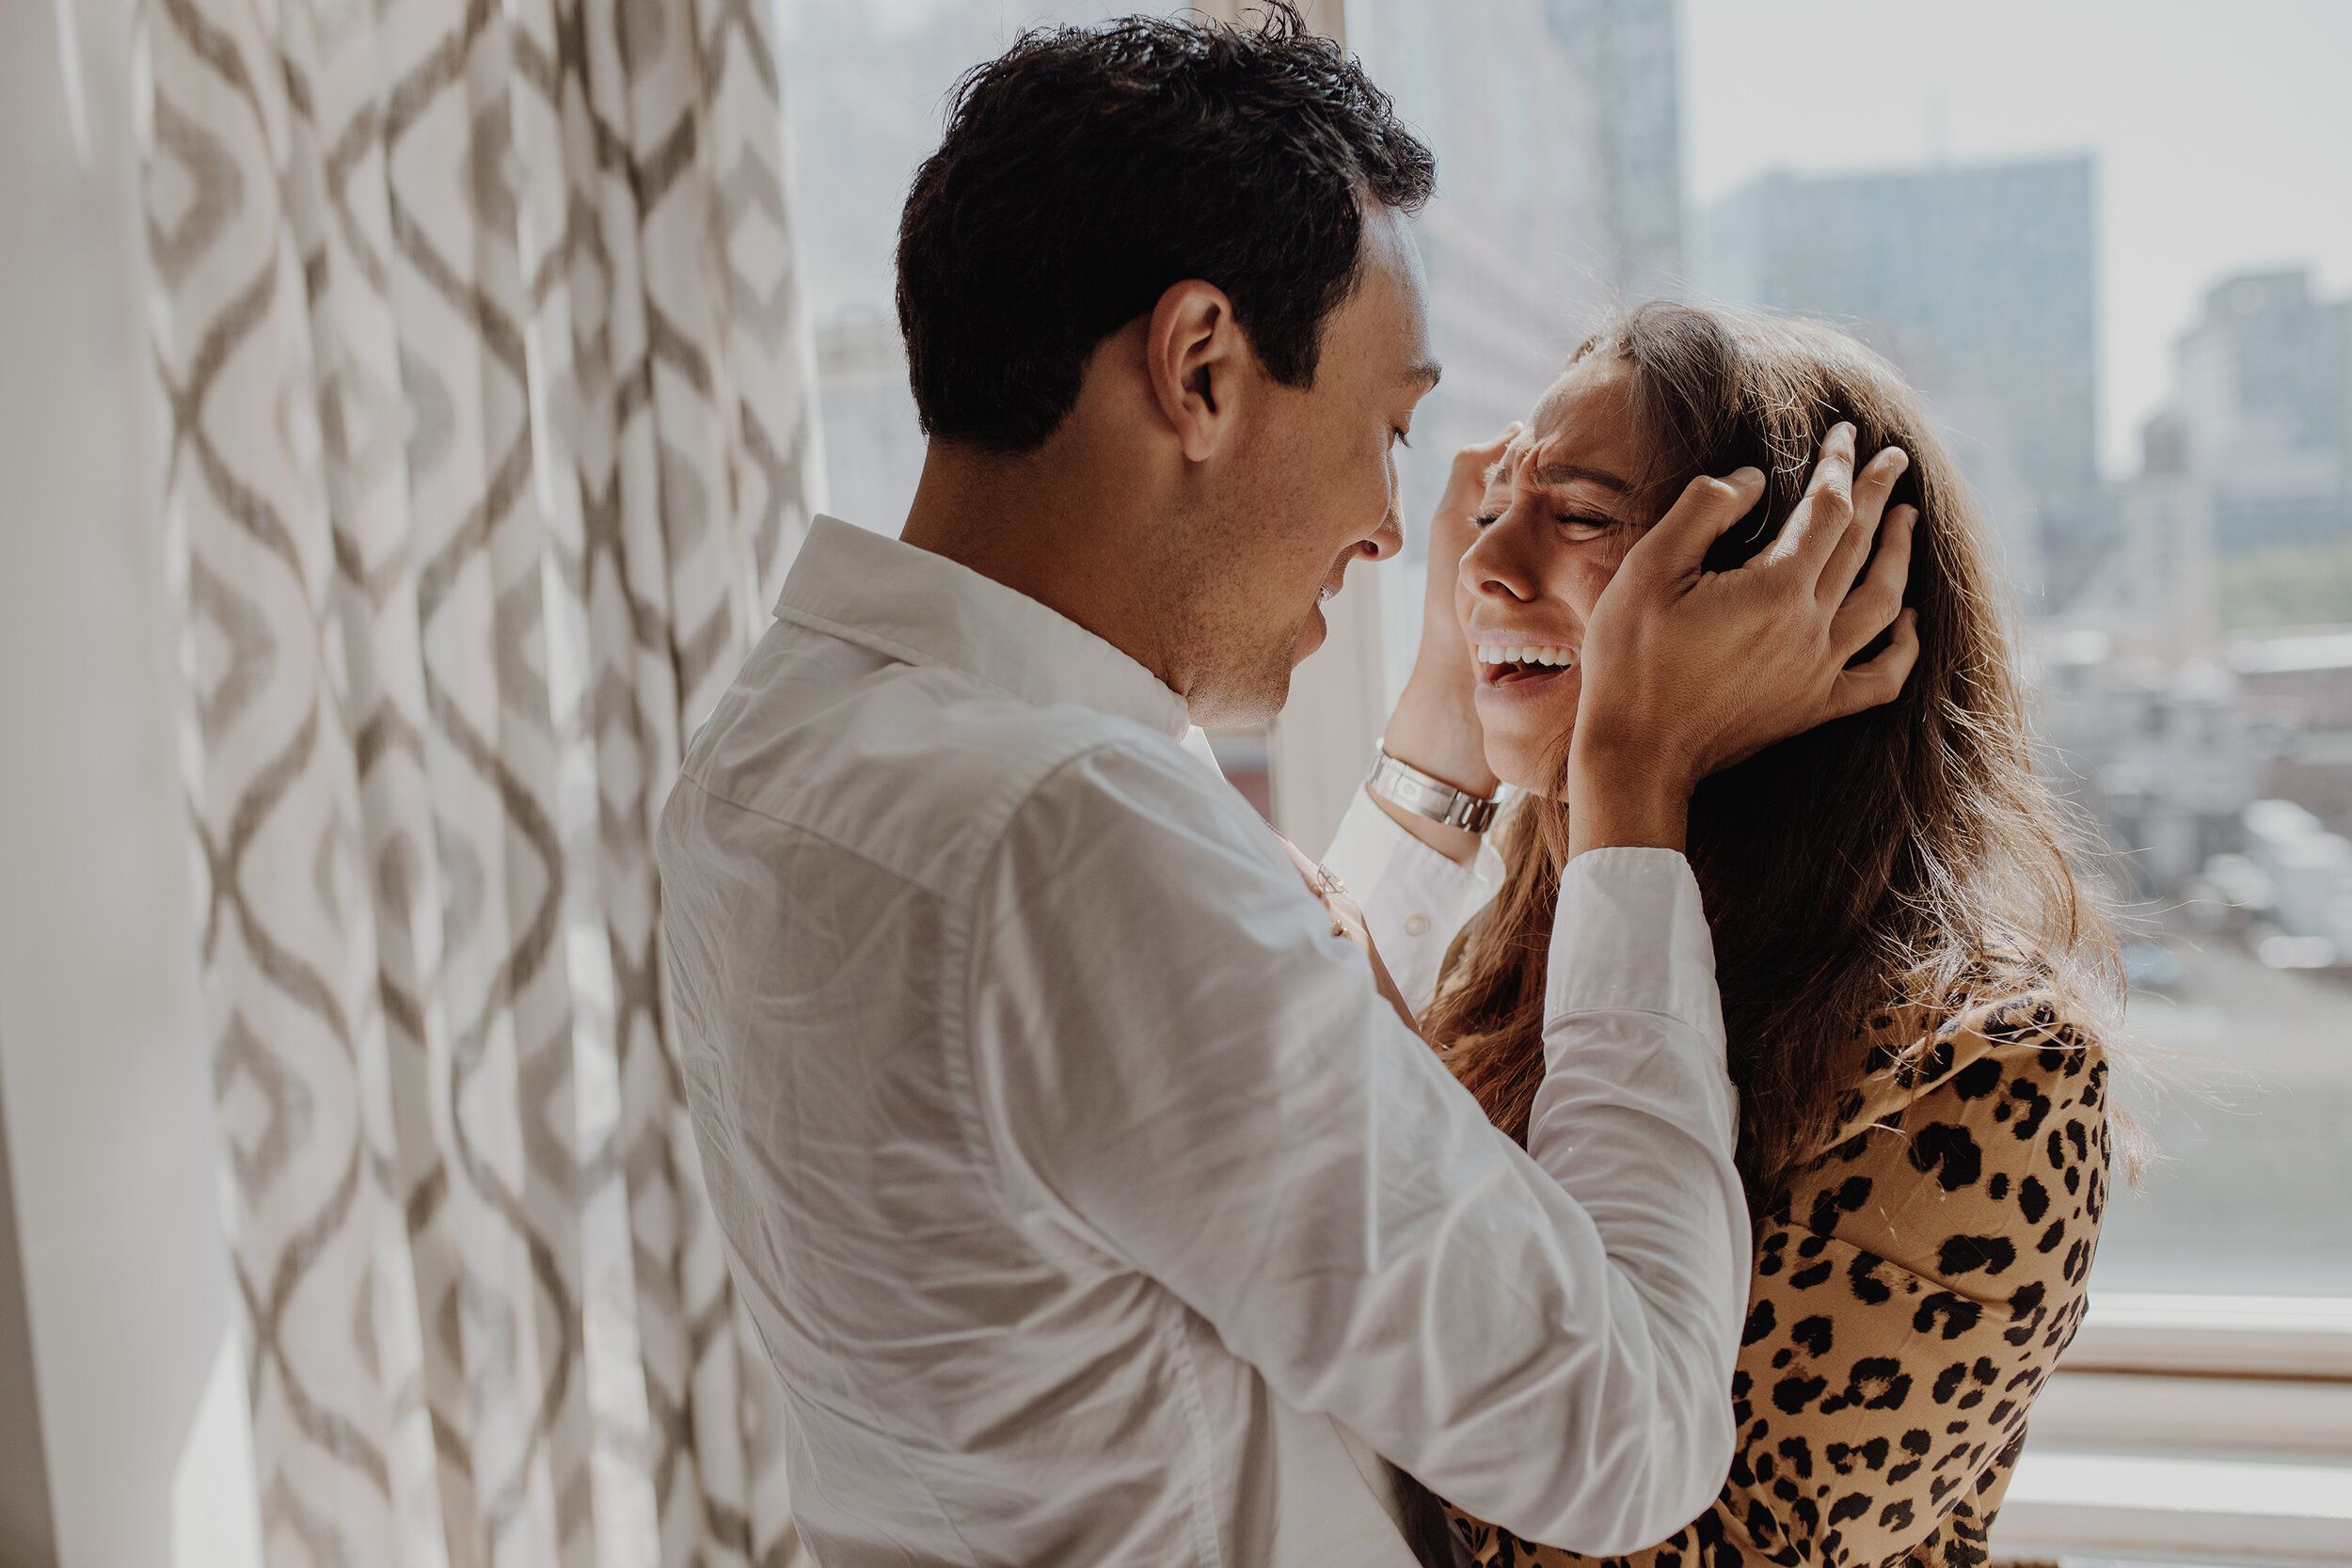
pixel 2223 130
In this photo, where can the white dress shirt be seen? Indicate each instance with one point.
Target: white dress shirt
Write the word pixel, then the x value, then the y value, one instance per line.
pixel 1091 1205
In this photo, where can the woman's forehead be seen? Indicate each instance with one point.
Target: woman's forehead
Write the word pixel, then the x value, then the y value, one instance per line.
pixel 1584 421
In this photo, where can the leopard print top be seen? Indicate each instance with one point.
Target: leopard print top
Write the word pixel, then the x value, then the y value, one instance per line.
pixel 1911 1294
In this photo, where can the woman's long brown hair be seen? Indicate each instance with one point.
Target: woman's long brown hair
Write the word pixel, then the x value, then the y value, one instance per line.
pixel 1905 856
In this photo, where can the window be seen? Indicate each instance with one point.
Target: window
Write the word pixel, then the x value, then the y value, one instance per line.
pixel 2115 261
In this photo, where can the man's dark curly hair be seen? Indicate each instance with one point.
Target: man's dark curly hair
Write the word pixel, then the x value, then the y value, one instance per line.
pixel 1087 169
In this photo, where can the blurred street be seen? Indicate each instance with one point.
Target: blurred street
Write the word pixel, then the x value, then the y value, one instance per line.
pixel 2245 1083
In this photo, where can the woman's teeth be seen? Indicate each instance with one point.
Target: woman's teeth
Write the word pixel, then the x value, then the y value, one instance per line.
pixel 1562 656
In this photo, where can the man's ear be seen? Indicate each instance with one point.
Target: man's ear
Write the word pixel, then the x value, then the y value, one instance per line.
pixel 1198 359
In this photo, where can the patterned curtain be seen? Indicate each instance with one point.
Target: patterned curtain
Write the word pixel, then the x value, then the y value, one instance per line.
pixel 490 439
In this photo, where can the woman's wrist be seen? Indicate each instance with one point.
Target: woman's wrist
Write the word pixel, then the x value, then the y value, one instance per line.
pixel 1435 729
pixel 1620 798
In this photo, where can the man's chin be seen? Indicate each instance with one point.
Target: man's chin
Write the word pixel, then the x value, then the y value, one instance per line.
pixel 1252 698
pixel 1243 709
pixel 1312 632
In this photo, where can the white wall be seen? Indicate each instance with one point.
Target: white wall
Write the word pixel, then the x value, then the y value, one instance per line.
pixel 102 1075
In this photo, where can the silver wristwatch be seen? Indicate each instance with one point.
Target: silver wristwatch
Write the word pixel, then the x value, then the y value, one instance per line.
pixel 1423 795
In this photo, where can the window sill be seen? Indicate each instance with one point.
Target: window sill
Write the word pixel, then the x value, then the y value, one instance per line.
pixel 2301 1338
pixel 2270 1417
pixel 2063 1504
pixel 2186 1428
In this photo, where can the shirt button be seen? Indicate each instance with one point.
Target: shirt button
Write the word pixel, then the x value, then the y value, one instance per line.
pixel 1416 925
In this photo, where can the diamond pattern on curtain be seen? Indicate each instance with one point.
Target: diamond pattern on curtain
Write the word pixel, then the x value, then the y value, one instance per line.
pixel 492 435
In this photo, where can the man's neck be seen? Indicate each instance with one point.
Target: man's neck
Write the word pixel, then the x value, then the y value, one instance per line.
pixel 1044 525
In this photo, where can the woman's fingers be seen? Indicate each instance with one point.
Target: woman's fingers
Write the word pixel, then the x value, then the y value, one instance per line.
pixel 1454 524
pixel 1309 870
pixel 1818 523
pixel 1347 920
pixel 1677 547
pixel 1872 489
pixel 1867 686
pixel 1473 462
pixel 1450 530
pixel 1466 485
pixel 1871 605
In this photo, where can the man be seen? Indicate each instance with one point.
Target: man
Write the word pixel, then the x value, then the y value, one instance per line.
pixel 1092 1206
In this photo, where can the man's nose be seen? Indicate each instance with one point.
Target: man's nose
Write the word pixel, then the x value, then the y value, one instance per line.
pixel 1389 538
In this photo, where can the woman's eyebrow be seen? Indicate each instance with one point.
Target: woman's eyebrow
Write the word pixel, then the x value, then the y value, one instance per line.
pixel 1566 473
pixel 1569 473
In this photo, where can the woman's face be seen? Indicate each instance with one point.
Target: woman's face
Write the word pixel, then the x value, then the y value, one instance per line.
pixel 1562 508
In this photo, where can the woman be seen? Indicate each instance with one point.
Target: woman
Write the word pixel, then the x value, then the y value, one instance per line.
pixel 1912 979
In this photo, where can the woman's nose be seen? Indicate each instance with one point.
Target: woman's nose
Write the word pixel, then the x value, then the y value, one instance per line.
pixel 1495 567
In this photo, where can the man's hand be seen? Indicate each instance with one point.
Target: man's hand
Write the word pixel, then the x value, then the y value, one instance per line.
pixel 1435 726
pixel 1686 672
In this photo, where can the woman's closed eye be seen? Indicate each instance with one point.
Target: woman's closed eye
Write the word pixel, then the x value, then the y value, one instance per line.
pixel 1585 526
pixel 1576 525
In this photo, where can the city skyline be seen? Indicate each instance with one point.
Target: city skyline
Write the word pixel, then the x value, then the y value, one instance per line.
pixel 2218 151
pixel 1977 281
pixel 2215 157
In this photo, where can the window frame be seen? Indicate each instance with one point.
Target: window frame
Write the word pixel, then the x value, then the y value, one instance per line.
pixel 2192 1426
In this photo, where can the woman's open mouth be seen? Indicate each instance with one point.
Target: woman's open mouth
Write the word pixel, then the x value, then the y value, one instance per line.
pixel 1506 665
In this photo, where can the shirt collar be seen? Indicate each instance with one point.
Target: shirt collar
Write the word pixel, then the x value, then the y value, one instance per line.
pixel 925 609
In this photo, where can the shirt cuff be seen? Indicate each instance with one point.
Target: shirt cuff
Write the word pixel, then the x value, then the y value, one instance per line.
pixel 1632 936
pixel 1414 898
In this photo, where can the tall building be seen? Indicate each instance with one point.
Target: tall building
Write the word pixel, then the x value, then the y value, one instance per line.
pixel 1516 240
pixel 2245 469
pixel 1625 52
pixel 2264 401
pixel 2151 594
pixel 1978 282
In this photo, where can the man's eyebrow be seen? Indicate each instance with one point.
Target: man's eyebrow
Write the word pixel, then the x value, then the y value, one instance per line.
pixel 1425 373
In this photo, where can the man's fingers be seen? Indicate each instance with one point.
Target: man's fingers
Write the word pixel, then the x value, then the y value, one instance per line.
pixel 1872 604
pixel 1868 685
pixel 1678 545
pixel 1820 521
pixel 1872 489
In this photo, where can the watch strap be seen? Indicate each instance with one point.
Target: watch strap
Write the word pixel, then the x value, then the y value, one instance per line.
pixel 1403 784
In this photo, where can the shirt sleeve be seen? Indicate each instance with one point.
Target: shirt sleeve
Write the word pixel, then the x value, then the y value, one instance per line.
pixel 1911 1297
pixel 1415 900
pixel 1178 1064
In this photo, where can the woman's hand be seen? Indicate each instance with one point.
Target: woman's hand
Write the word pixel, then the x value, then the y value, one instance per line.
pixel 1688 671
pixel 1347 920
pixel 1435 726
